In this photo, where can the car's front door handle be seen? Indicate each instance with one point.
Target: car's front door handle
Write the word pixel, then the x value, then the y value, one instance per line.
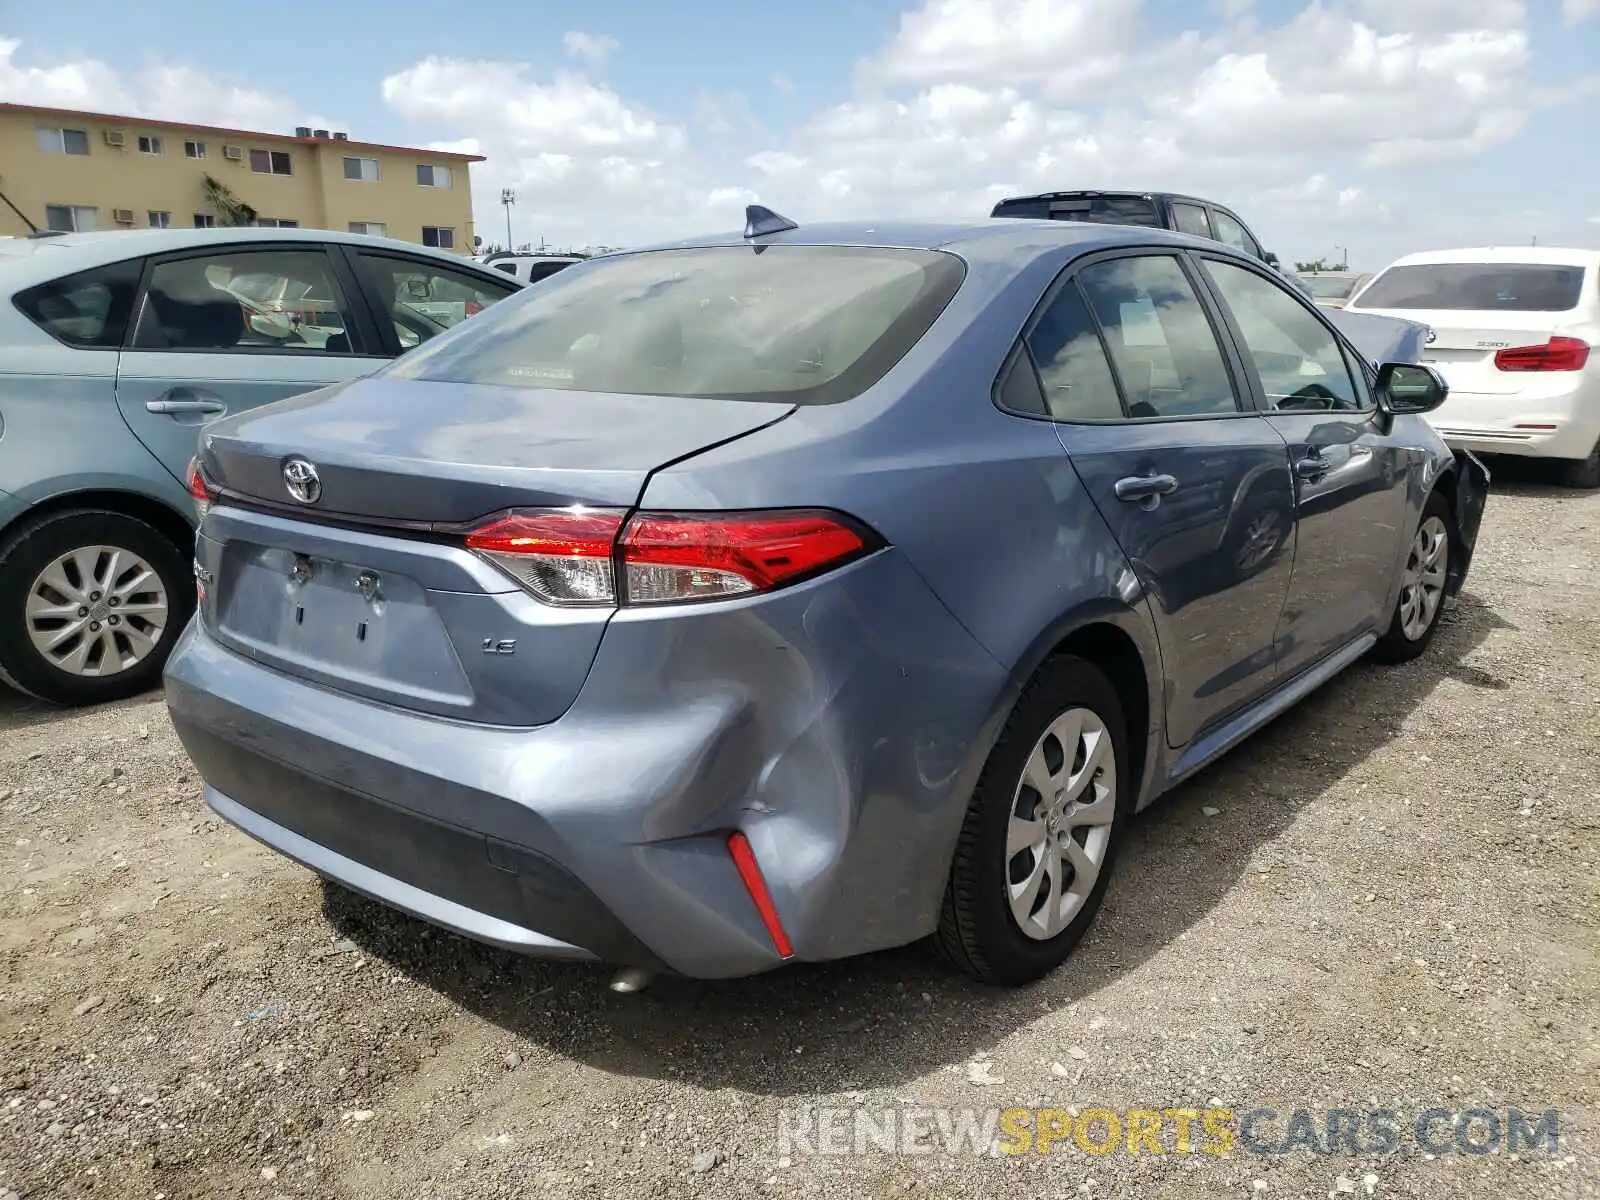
pixel 169 407
pixel 1141 488
pixel 1312 467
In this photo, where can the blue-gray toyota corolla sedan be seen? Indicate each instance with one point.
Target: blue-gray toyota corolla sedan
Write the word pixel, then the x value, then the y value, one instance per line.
pixel 807 592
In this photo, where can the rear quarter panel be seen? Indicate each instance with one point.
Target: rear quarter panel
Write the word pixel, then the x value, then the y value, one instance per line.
pixel 987 510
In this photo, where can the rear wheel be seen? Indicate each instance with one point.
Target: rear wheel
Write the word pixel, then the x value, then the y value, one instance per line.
pixel 1582 472
pixel 1422 587
pixel 91 602
pixel 1041 831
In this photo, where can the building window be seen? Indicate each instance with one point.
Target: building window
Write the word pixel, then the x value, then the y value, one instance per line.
pixel 275 223
pixel 443 239
pixel 194 149
pixel 433 176
pixel 204 221
pixel 150 144
pixel 63 141
pixel 370 228
pixel 270 162
pixel 363 169
pixel 160 220
pixel 71 218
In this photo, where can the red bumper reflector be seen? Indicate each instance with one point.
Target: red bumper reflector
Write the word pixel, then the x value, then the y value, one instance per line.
pixel 750 871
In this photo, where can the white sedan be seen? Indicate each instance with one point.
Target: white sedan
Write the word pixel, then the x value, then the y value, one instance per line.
pixel 1511 331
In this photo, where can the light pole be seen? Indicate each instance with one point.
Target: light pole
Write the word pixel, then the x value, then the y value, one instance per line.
pixel 508 197
pixel 1344 257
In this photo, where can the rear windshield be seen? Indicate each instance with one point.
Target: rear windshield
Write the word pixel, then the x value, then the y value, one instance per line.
pixel 1488 287
pixel 1101 210
pixel 809 324
pixel 1329 287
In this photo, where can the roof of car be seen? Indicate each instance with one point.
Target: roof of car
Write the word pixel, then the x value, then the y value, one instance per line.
pixel 27 259
pixel 991 237
pixel 1553 255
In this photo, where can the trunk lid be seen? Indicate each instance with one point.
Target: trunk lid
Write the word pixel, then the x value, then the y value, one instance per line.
pixel 360 592
pixel 410 452
pixel 1464 345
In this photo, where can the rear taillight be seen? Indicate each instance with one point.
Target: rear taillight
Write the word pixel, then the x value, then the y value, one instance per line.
pixel 562 557
pixel 198 492
pixel 1558 354
pixel 473 308
pixel 602 557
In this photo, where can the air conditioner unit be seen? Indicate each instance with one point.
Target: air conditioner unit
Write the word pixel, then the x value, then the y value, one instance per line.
pixel 115 137
pixel 122 216
pixel 233 153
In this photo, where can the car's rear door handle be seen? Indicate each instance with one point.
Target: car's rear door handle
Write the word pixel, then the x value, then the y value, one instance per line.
pixel 1145 487
pixel 1312 467
pixel 169 406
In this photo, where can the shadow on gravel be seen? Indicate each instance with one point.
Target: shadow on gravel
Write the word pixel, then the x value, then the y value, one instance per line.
pixel 1531 477
pixel 19 711
pixel 882 1020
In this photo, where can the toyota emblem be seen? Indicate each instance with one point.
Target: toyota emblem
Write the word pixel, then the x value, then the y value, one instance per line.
pixel 302 480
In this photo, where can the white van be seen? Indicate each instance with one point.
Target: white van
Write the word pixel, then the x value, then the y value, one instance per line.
pixel 1511 330
pixel 529 268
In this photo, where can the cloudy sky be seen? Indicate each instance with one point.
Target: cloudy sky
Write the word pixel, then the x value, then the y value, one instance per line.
pixel 1380 125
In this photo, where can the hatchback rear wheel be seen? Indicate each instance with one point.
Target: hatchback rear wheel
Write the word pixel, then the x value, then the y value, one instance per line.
pixel 91 602
pixel 1041 831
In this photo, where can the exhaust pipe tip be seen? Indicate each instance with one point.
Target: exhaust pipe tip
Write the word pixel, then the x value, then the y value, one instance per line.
pixel 630 980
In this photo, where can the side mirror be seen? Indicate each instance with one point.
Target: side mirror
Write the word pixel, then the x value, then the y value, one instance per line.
pixel 1409 388
pixel 1271 259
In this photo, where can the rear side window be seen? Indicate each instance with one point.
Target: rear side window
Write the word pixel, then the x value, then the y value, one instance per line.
pixel 1191 218
pixel 1101 210
pixel 1160 338
pixel 89 310
pixel 1485 287
pixel 1077 379
pixel 805 324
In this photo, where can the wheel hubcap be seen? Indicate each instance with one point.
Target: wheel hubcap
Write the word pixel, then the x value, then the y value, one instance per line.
pixel 1060 824
pixel 1422 585
pixel 97 610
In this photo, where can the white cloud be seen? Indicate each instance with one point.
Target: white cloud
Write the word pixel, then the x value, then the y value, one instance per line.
pixel 1573 11
pixel 169 92
pixel 590 47
pixel 1066 45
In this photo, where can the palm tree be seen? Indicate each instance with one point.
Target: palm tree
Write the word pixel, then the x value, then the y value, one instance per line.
pixel 230 210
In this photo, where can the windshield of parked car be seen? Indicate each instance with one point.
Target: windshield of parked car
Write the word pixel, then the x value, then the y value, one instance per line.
pixel 807 324
pixel 1329 287
pixel 1483 287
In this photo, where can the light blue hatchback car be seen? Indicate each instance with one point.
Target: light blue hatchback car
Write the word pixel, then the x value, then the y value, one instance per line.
pixel 116 349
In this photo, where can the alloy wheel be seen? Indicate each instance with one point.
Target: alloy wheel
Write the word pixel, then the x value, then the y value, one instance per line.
pixel 1060 823
pixel 96 610
pixel 1422 585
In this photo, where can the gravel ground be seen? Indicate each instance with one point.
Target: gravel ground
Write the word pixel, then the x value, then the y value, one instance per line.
pixel 1388 899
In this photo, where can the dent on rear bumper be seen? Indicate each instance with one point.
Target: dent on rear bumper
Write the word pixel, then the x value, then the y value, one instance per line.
pixel 833 722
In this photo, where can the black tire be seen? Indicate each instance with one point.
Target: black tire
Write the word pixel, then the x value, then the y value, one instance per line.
pixel 37 544
pixel 1395 646
pixel 977 932
pixel 1582 472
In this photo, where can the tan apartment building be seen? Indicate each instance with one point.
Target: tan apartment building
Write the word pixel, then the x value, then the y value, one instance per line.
pixel 72 170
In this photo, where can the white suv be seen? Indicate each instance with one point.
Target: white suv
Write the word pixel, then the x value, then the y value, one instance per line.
pixel 1511 329
pixel 529 268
